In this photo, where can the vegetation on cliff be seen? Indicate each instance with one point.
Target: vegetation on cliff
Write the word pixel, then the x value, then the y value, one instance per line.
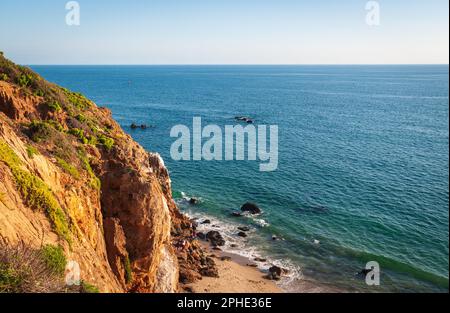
pixel 35 192
pixel 73 181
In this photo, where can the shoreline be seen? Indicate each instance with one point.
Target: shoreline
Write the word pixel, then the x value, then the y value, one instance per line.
pixel 238 274
pixel 234 276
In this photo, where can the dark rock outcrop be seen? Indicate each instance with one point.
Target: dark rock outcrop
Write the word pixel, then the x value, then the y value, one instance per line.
pixel 215 238
pixel 251 208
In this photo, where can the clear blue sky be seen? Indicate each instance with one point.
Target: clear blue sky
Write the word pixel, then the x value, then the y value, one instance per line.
pixel 224 32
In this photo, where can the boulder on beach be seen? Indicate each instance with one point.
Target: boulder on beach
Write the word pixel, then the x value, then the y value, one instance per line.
pixel 210 270
pixel 215 238
pixel 242 234
pixel 251 208
pixel 244 228
pixel 206 222
pixel 275 273
pixel 201 235
pixel 257 259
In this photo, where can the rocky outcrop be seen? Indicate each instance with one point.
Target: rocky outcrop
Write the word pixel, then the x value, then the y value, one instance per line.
pixel 251 208
pixel 115 214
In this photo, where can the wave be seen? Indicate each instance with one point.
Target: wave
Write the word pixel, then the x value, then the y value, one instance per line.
pixel 240 246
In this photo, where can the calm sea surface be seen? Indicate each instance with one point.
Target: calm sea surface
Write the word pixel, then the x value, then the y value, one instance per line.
pixel 363 161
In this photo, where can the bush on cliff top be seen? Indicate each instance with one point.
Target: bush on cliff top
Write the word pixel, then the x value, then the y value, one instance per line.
pixel 35 192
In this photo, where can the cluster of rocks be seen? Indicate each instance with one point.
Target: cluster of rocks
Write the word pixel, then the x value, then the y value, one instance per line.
pixel 142 126
pixel 216 240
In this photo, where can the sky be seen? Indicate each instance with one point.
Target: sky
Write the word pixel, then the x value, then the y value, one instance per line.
pixel 225 32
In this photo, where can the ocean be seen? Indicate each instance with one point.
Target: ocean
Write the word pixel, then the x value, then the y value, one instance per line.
pixel 363 171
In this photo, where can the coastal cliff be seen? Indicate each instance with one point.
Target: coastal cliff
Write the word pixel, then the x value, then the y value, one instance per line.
pixel 71 178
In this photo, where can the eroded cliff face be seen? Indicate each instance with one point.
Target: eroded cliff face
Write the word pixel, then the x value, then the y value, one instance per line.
pixel 70 175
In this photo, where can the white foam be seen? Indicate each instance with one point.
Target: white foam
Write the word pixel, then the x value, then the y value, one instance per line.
pixel 240 246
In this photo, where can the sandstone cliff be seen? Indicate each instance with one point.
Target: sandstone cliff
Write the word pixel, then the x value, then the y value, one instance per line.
pixel 70 176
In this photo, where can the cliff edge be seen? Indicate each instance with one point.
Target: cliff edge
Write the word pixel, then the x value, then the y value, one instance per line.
pixel 71 177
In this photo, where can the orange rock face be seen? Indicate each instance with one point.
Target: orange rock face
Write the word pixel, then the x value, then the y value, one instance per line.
pixel 115 196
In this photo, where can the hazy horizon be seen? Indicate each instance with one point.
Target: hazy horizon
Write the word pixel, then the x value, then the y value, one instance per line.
pixel 201 32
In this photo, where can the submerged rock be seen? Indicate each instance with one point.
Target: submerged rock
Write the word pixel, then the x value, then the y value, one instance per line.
pixel 251 208
pixel 244 228
pixel 193 201
pixel 245 119
pixel 236 214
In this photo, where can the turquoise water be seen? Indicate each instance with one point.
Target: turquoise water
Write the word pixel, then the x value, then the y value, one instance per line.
pixel 363 160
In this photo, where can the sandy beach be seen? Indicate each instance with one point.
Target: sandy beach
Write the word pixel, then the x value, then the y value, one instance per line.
pixel 235 276
pixel 238 274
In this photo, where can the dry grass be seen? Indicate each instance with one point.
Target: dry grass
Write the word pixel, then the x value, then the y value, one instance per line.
pixel 25 270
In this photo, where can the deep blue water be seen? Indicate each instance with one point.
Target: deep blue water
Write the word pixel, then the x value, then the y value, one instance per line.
pixel 363 160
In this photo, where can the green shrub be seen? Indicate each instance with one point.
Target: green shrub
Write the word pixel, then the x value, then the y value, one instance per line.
pixel 77 99
pixel 54 106
pixel 39 131
pixel 106 141
pixel 10 279
pixel 35 192
pixel 39 93
pixel 55 124
pixel 81 118
pixel 68 168
pixel 23 270
pixel 31 151
pixel 79 133
pixel 25 80
pixel 4 77
pixel 88 288
pixel 95 181
pixel 54 258
pixel 128 271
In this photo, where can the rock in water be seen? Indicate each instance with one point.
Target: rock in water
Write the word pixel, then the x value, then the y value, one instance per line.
pixel 193 201
pixel 275 273
pixel 242 234
pixel 215 238
pixel 251 207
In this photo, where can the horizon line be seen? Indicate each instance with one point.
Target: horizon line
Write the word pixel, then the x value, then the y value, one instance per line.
pixel 240 64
